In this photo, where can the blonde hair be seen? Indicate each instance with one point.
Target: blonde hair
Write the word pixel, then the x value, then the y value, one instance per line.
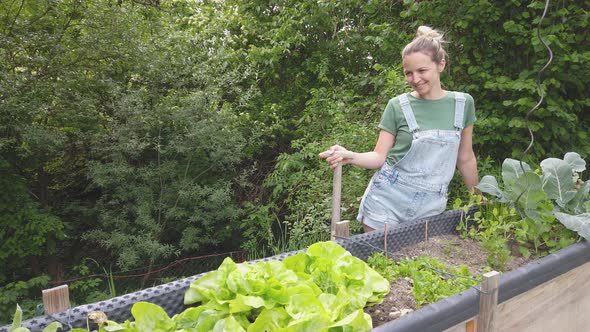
pixel 429 42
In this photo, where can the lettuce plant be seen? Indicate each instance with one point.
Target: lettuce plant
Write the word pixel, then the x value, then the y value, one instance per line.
pixel 324 288
pixel 16 325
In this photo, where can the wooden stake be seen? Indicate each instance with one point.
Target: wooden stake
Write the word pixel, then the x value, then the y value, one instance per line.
pixel 56 299
pixel 385 239
pixel 488 302
pixel 336 197
pixel 342 228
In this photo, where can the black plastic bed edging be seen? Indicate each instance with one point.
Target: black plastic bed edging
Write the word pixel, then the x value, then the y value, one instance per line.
pixel 438 316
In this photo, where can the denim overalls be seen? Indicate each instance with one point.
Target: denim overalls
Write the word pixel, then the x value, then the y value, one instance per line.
pixel 416 186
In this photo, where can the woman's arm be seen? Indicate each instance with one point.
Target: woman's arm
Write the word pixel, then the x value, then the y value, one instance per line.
pixel 466 161
pixel 370 160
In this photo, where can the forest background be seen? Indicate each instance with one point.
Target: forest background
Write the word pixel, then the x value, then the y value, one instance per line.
pixel 138 133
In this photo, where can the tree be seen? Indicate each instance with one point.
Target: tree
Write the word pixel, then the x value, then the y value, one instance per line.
pixel 26 228
pixel 166 163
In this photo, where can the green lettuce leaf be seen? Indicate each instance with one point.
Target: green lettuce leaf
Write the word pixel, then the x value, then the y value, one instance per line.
pixel 212 285
pixel 229 324
pixel 151 317
pixel 357 321
pixel 270 320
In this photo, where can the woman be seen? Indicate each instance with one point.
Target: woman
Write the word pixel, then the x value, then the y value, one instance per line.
pixel 424 135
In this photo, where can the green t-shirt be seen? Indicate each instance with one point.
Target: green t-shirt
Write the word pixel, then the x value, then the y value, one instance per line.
pixel 430 114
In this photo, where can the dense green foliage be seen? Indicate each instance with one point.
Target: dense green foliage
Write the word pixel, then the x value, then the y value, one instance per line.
pixel 432 279
pixel 537 210
pixel 137 132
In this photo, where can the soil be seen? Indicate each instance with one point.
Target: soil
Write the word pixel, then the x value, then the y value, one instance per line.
pixel 450 249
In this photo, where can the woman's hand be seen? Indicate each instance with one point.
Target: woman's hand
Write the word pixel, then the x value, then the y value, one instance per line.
pixel 337 154
pixel 370 160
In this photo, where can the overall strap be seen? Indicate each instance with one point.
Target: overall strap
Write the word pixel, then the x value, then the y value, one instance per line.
pixel 408 114
pixel 459 109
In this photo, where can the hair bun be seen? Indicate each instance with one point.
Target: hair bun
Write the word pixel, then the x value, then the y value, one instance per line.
pixel 428 41
pixel 428 32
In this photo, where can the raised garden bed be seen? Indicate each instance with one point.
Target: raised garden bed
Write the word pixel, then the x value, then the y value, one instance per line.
pixel 548 294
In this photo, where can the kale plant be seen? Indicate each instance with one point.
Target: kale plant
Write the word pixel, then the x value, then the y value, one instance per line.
pixel 555 191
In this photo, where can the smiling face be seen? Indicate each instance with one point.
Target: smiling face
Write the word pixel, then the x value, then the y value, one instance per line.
pixel 423 75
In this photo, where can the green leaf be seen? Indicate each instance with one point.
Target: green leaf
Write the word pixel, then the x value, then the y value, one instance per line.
pixel 271 319
pixel 212 285
pixel 488 184
pixel 304 306
pixel 557 180
pixel 244 303
pixel 151 317
pixel 578 223
pixel 328 250
pixel 18 318
pixel 524 251
pixel 577 204
pixel 53 327
pixel 357 321
pixel 531 188
pixel 512 169
pixel 229 324
pixel 575 161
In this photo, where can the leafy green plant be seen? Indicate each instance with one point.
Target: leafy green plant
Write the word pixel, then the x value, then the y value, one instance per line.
pixel 17 323
pixel 493 224
pixel 432 279
pixel 382 264
pixel 320 289
pixel 24 292
pixel 499 253
pixel 555 191
pixel 257 230
pixel 90 289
